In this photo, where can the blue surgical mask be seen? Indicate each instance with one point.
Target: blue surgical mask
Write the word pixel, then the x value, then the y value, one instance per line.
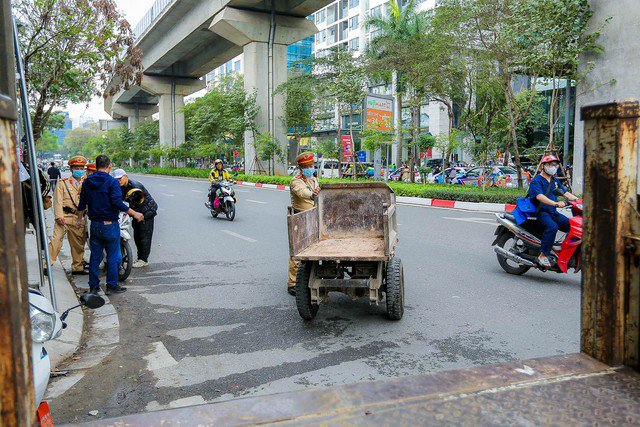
pixel 308 172
pixel 78 173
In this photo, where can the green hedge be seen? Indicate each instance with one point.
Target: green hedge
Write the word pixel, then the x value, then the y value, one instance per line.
pixel 431 191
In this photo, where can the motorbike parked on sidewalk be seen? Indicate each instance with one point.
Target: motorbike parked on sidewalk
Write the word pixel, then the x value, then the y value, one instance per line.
pixel 126 234
pixel 517 247
pixel 223 201
pixel 46 325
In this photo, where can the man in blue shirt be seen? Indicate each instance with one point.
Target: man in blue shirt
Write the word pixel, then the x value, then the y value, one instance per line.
pixel 541 191
pixel 102 195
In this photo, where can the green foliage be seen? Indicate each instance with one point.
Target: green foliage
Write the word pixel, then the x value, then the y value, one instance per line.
pixel 299 95
pixel 433 191
pixel 67 46
pixel 268 148
pixel 48 143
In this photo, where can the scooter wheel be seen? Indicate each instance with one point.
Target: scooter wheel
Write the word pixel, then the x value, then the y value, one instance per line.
pixel 506 242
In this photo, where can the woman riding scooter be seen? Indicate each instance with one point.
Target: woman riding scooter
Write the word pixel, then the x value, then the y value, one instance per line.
pixel 541 192
pixel 217 174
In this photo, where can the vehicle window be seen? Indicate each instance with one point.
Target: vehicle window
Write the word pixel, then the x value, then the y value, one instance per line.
pixel 507 170
pixel 474 172
pixel 331 165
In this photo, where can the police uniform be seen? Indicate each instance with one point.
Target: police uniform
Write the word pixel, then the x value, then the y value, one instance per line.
pixel 302 199
pixel 65 205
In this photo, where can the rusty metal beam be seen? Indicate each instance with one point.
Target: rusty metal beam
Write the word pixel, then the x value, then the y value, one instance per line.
pixel 610 281
pixel 16 385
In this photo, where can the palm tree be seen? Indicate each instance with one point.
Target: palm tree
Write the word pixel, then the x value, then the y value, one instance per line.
pixel 399 26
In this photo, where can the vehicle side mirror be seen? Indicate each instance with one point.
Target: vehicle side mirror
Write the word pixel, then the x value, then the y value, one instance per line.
pixel 558 192
pixel 92 301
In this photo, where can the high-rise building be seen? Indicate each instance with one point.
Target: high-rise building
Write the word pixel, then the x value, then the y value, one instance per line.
pixel 62 132
pixel 343 23
pixel 298 51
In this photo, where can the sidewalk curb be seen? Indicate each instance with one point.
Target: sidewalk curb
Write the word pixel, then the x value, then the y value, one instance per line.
pixel 100 336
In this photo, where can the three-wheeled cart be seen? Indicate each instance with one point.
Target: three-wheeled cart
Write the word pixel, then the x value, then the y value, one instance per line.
pixel 346 244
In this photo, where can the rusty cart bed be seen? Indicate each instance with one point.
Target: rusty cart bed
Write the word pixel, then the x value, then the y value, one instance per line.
pixel 346 244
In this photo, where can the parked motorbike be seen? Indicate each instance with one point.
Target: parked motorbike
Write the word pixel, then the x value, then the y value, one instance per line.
pixel 47 325
pixel 518 246
pixel 224 201
pixel 126 234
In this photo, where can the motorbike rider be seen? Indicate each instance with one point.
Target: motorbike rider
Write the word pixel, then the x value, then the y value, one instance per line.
pixel 304 190
pixel 217 174
pixel 541 191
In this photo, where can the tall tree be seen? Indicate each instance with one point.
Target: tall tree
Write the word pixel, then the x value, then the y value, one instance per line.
pixel 389 32
pixel 299 97
pixel 71 48
pixel 340 76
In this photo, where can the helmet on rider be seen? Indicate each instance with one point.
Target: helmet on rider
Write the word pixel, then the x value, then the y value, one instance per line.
pixel 550 164
pixel 218 162
pixel 135 196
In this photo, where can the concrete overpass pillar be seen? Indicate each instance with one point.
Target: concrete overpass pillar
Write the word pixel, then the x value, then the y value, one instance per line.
pixel 172 130
pixel 135 113
pixel 256 32
pixel 171 93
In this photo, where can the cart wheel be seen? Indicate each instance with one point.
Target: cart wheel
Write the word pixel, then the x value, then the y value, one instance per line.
pixel 395 289
pixel 306 309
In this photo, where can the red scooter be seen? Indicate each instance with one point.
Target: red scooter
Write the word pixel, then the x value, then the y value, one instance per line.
pixel 518 246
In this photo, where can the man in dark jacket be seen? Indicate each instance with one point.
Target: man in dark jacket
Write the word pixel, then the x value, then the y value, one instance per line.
pixel 102 195
pixel 54 176
pixel 140 200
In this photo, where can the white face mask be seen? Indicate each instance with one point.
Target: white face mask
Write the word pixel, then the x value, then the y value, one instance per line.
pixel 551 170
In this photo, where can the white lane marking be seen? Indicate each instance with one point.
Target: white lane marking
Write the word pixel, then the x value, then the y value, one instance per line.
pixel 487 221
pixel 239 236
pixel 527 370
pixel 179 403
pixel 162 185
pixel 159 358
pixel 242 191
pixel 256 201
pixel 197 191
pixel 168 195
pixel 196 332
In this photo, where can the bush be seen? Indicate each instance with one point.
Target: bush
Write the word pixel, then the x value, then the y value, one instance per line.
pixel 430 191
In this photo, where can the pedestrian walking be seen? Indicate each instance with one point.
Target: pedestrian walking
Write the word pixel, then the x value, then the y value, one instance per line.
pixel 141 201
pixel 54 176
pixel 65 205
pixel 102 195
pixel 304 190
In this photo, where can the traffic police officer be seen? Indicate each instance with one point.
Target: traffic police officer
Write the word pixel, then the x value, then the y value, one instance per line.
pixel 65 205
pixel 304 190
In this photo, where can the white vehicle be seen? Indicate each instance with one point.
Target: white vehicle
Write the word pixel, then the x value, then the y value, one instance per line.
pixel 126 234
pixel 47 325
pixel 328 168
pixel 291 170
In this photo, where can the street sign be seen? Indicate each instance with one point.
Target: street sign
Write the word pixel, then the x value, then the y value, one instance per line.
pixel 362 156
pixel 346 147
pixel 379 112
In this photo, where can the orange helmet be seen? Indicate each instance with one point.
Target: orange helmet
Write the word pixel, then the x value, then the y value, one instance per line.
pixel 91 167
pixel 77 161
pixel 550 158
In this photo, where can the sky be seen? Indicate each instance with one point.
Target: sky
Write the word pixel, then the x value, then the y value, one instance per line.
pixel 134 10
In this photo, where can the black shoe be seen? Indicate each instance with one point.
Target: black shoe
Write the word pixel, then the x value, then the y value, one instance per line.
pixel 94 291
pixel 292 291
pixel 45 271
pixel 80 273
pixel 115 290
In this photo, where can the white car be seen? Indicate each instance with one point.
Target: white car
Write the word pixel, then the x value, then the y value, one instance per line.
pixel 291 170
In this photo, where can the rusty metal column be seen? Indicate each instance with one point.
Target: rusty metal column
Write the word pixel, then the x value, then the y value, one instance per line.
pixel 16 382
pixel 611 259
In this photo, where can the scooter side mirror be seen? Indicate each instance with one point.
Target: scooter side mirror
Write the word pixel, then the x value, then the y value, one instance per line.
pixel 558 192
pixel 92 301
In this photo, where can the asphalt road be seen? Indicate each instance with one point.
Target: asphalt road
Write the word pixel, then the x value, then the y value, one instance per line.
pixel 210 319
